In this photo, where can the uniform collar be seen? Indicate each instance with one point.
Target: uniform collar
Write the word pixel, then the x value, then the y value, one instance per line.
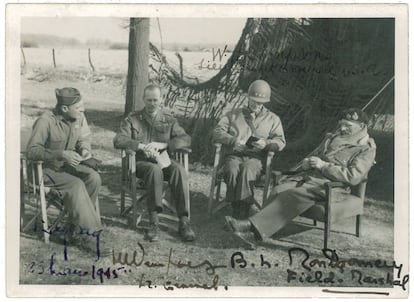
pixel 159 116
pixel 335 143
pixel 248 113
pixel 60 118
pixel 359 138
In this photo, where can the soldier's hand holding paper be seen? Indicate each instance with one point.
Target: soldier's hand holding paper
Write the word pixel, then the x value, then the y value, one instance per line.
pixel 86 154
pixel 259 144
pixel 71 157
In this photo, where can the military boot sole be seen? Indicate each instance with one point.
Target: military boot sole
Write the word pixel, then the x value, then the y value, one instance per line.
pixel 246 240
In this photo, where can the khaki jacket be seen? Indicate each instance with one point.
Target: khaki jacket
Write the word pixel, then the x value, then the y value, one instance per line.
pixel 138 127
pixel 350 163
pixel 234 126
pixel 52 134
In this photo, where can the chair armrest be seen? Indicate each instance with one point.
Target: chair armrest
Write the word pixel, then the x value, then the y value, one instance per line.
pixel 184 150
pixel 35 161
pixel 280 173
pixel 127 152
pixel 270 154
pixel 334 184
pixel 23 155
pixel 328 191
pixel 216 156
pixel 277 175
pixel 272 147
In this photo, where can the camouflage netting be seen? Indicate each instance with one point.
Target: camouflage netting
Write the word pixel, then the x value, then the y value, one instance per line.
pixel 316 68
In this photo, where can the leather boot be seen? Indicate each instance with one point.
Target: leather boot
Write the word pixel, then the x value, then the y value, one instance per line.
pixel 235 209
pixel 238 225
pixel 153 230
pixel 244 211
pixel 253 210
pixel 184 230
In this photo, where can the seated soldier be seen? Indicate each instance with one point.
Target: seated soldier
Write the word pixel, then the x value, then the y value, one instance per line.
pixel 344 156
pixel 247 134
pixel 144 132
pixel 61 138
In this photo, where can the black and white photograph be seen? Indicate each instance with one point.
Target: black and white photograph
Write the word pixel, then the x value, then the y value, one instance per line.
pixel 192 150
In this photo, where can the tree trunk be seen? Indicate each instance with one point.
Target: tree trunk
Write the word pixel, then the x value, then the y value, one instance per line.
pixel 90 59
pixel 138 60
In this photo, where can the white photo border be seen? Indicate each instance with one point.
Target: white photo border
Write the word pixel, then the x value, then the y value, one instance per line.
pixel 14 13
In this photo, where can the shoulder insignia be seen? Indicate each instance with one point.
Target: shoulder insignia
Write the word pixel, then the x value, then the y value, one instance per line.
pixel 135 114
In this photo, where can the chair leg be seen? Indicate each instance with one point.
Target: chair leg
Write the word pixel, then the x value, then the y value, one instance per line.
pixel 211 195
pixel 58 219
pixel 265 192
pixel 358 226
pixel 24 188
pixel 189 202
pixel 22 211
pixel 327 230
pixel 315 223
pixel 97 208
pixel 218 190
pixel 43 202
pixel 31 222
pixel 22 204
pixel 122 201
pixel 134 202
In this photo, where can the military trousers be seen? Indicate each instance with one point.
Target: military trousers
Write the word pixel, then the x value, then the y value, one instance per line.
pixel 153 177
pixel 240 174
pixel 285 203
pixel 79 188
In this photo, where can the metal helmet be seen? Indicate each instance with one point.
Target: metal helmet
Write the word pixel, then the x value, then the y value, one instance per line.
pixel 259 91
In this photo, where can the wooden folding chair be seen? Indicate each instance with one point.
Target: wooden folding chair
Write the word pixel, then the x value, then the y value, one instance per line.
pixel 134 187
pixel 214 202
pixel 337 205
pixel 35 194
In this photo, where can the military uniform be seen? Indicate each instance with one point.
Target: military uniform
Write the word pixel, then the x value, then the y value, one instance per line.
pixel 348 162
pixel 141 128
pixel 79 185
pixel 242 168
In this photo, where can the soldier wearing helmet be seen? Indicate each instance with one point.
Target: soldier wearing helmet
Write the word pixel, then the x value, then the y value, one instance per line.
pixel 345 156
pixel 247 134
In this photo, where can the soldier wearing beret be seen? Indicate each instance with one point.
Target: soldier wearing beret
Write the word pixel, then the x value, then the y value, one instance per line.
pixel 143 131
pixel 344 156
pixel 243 157
pixel 60 138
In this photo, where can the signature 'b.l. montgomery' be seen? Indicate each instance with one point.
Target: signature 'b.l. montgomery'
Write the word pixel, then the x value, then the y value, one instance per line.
pixel 332 260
